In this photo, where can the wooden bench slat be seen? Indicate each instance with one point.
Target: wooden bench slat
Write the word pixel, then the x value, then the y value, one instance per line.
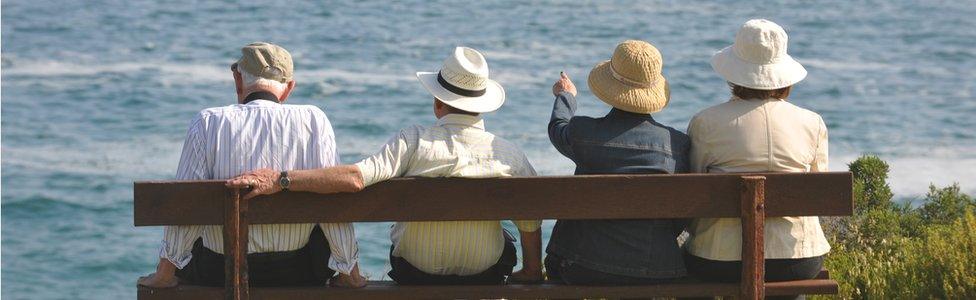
pixel 557 197
pixel 802 287
pixel 389 290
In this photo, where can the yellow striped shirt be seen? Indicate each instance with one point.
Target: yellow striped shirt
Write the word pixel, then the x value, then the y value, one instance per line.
pixel 456 146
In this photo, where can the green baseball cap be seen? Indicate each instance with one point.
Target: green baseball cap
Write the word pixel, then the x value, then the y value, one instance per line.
pixel 267 61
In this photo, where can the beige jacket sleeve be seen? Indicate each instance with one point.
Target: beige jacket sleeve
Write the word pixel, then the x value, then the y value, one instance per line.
pixel 820 157
pixel 699 149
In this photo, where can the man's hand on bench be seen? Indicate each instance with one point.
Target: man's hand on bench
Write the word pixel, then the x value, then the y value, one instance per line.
pixel 526 276
pixel 260 181
pixel 353 280
pixel 165 276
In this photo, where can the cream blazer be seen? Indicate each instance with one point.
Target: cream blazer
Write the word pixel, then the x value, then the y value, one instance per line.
pixel 757 136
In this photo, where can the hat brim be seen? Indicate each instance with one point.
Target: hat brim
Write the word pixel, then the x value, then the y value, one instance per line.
pixel 786 72
pixel 627 97
pixel 493 98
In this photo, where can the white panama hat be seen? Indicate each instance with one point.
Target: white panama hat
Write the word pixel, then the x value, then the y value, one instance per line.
pixel 463 83
pixel 758 58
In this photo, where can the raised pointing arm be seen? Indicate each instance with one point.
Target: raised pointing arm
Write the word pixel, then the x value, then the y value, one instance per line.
pixel 562 112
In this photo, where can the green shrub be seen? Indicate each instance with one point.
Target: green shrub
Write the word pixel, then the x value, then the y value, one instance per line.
pixel 945 205
pixel 889 250
pixel 871 188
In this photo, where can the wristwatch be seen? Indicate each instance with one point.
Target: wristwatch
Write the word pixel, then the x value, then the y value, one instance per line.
pixel 284 181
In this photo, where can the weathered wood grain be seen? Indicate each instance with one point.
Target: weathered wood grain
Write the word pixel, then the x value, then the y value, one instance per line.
pixel 570 197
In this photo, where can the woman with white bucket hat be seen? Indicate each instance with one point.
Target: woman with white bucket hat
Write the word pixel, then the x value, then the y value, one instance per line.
pixel 628 140
pixel 757 130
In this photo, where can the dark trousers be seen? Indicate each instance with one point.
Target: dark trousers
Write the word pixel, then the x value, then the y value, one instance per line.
pixel 405 273
pixel 776 269
pixel 308 266
pixel 568 272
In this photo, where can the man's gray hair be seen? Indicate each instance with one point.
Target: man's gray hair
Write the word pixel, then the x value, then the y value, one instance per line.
pixel 250 80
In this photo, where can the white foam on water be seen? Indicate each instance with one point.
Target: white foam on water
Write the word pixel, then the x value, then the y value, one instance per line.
pixel 145 158
pixel 188 73
pixel 171 73
pixel 522 80
pixel 492 55
pixel 836 65
pixel 353 77
pixel 910 177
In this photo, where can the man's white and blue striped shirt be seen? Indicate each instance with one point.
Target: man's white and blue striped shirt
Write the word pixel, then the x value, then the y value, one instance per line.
pixel 224 142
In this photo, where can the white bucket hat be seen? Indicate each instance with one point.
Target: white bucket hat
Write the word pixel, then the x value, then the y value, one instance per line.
pixel 463 83
pixel 758 58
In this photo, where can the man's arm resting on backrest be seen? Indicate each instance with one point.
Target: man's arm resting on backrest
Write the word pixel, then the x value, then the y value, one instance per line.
pixel 338 179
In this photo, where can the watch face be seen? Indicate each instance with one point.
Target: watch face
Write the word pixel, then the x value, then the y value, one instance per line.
pixel 284 181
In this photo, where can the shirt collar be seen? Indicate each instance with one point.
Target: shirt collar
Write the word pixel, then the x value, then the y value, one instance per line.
pixel 462 121
pixel 261 102
pixel 260 95
pixel 616 113
pixel 734 98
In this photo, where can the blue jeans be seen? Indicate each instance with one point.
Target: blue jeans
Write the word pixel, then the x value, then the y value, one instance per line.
pixel 568 272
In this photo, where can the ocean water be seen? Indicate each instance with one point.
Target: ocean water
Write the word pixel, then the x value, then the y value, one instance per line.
pixel 97 94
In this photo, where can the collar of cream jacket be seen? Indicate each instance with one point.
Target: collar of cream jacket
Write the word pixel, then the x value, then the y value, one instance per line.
pixel 734 97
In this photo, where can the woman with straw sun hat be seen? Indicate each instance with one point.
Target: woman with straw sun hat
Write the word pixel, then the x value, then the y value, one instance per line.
pixel 625 141
pixel 757 130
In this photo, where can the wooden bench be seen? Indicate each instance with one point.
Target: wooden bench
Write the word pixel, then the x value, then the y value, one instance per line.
pixel 749 196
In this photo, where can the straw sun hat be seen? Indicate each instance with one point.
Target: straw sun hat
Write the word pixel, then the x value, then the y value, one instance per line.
pixel 758 58
pixel 463 83
pixel 631 80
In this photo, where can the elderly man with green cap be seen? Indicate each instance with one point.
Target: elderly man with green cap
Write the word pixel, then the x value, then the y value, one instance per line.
pixel 259 132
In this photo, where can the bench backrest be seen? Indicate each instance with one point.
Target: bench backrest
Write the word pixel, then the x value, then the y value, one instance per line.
pixel 564 197
pixel 749 196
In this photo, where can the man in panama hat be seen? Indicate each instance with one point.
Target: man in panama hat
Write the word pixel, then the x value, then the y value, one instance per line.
pixel 457 145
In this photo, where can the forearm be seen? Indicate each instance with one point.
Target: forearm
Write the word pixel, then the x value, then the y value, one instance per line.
pixel 531 250
pixel 339 179
pixel 563 110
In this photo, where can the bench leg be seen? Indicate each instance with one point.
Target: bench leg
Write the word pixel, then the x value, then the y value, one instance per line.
pixel 753 226
pixel 235 246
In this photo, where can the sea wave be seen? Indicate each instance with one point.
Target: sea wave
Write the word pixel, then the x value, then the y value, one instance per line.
pixel 174 72
pixel 910 177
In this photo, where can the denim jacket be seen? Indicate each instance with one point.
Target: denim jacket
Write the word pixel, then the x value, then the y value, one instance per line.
pixel 619 143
